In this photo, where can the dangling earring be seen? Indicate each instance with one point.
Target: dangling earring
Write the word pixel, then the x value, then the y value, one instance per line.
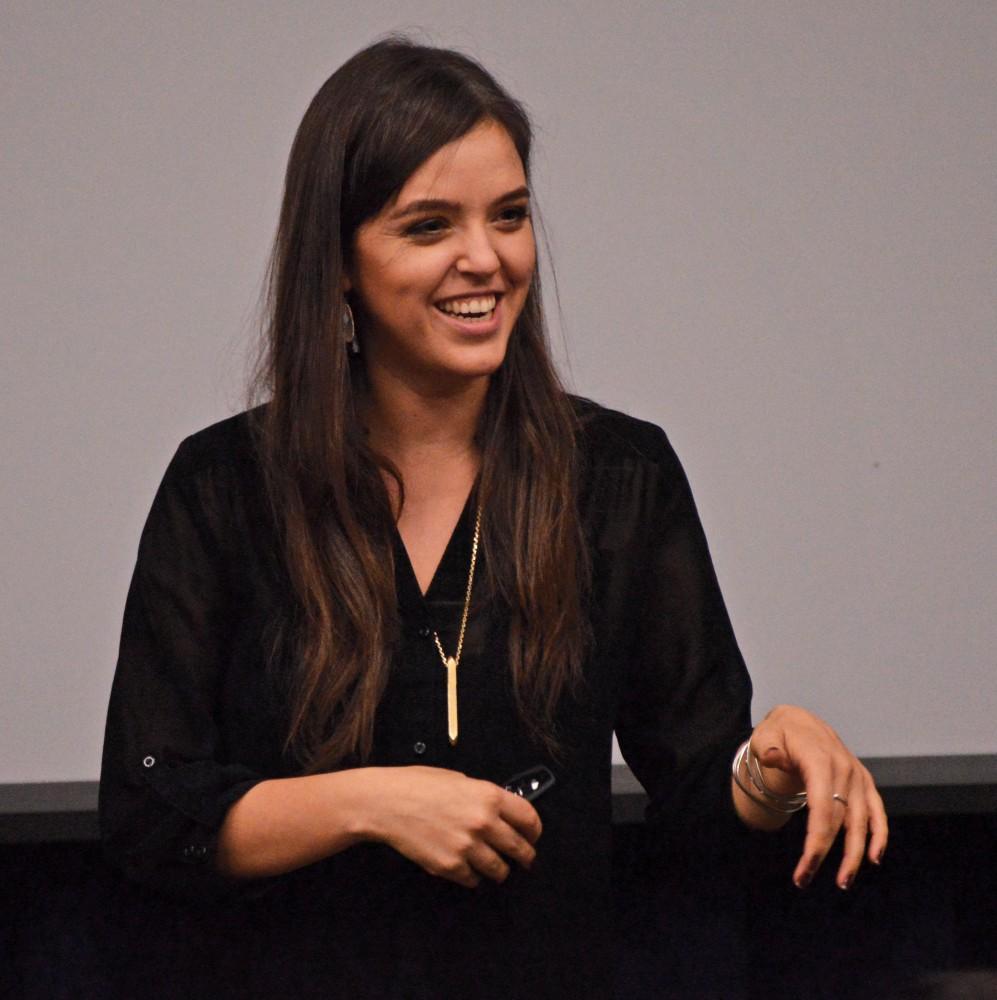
pixel 350 329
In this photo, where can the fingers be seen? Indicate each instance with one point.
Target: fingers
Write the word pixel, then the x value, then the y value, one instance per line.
pixel 488 863
pixel 512 844
pixel 485 857
pixel 521 815
pixel 856 822
pixel 826 815
pixel 458 871
pixel 493 830
pixel 861 814
pixel 482 859
pixel 840 791
pixel 512 834
pixel 878 826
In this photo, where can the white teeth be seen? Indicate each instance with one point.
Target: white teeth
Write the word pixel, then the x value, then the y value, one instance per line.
pixel 467 307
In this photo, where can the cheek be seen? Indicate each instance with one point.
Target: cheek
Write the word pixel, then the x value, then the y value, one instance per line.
pixel 393 273
pixel 526 260
pixel 390 299
pixel 529 259
pixel 418 277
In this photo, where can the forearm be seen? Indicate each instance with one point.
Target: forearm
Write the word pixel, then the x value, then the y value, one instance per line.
pixel 286 823
pixel 452 826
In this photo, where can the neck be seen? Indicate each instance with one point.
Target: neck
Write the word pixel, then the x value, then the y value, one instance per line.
pixel 404 421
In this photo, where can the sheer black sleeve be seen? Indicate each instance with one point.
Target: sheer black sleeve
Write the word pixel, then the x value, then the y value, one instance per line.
pixel 165 785
pixel 685 703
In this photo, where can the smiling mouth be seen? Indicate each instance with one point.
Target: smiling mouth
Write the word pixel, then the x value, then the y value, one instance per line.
pixel 472 309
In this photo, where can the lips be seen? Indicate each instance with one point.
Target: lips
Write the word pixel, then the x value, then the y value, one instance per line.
pixel 475 316
pixel 470 308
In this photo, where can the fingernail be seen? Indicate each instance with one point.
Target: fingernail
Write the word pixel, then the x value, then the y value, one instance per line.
pixel 847 884
pixel 804 880
pixel 878 859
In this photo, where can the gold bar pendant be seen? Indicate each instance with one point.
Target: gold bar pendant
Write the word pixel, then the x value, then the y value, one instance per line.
pixel 452 699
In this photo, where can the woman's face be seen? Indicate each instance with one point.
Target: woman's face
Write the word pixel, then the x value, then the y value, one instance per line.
pixel 442 272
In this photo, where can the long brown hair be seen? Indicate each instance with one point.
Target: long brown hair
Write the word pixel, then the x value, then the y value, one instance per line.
pixel 370 126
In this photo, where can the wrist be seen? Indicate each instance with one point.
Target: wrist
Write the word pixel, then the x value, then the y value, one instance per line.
pixel 750 777
pixel 356 795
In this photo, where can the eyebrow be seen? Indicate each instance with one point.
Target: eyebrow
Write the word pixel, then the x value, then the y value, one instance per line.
pixel 441 205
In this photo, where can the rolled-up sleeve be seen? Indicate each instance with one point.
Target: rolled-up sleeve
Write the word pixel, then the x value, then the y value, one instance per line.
pixel 165 784
pixel 686 703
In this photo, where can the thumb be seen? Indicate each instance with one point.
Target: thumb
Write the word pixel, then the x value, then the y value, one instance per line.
pixel 773 756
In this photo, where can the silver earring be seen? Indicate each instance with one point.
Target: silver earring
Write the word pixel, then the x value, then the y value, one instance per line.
pixel 350 329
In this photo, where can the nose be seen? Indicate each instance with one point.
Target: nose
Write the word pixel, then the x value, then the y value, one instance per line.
pixel 478 254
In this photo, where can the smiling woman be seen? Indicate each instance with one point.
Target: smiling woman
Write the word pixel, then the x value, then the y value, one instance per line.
pixel 420 568
pixel 441 274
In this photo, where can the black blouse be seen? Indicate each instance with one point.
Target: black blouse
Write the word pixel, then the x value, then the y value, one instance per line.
pixel 196 719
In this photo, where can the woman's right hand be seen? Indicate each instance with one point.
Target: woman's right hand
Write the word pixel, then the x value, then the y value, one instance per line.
pixel 452 826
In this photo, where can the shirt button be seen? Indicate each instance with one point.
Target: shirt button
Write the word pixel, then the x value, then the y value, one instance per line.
pixel 425 631
pixel 148 761
pixel 419 747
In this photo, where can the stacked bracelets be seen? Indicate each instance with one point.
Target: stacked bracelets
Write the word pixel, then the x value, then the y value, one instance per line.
pixel 761 793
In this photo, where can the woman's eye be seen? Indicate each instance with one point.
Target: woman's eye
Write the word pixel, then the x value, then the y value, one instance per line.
pixel 427 227
pixel 514 214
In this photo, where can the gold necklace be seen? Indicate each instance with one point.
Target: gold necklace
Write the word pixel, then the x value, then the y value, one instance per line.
pixel 450 662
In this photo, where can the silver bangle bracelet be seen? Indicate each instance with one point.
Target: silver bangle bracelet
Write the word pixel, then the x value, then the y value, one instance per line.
pixel 797 800
pixel 760 792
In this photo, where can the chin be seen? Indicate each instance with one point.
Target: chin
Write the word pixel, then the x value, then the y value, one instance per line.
pixel 477 362
pixel 469 373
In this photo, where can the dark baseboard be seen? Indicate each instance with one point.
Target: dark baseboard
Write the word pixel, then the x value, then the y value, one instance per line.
pixel 59 811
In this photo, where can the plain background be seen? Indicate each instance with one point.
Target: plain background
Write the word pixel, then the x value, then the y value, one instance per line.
pixel 774 227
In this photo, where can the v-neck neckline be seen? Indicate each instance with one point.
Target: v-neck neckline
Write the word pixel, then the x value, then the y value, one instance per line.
pixel 454 562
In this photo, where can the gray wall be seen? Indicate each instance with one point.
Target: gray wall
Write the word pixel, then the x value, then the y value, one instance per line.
pixel 774 231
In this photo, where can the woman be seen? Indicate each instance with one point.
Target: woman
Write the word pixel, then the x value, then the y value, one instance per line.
pixel 419 569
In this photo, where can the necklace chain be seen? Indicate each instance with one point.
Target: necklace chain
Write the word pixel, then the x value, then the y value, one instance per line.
pixel 450 663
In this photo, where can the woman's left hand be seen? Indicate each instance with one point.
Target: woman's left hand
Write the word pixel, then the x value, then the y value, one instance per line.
pixel 798 750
